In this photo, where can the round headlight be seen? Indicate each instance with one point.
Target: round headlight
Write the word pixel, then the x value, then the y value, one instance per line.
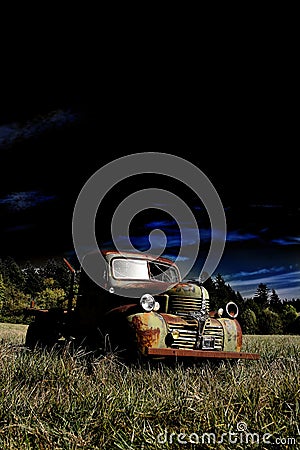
pixel 156 306
pixel 147 302
pixel 232 310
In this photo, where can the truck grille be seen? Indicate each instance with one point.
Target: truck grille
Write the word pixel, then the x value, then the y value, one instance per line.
pixel 212 328
pixel 187 335
pixel 184 305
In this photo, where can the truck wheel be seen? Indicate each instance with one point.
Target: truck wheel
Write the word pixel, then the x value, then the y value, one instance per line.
pixel 32 336
pixel 39 336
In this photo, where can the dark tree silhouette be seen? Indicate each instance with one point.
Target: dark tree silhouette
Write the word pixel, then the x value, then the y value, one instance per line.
pixel 275 302
pixel 261 295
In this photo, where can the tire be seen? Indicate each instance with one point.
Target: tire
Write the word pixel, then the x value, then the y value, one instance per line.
pixel 38 336
pixel 32 336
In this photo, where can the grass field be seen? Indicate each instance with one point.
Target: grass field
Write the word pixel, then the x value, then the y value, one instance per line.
pixel 66 401
pixel 13 332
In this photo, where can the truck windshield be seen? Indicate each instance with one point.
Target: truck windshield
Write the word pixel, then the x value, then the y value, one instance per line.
pixel 137 269
pixel 130 269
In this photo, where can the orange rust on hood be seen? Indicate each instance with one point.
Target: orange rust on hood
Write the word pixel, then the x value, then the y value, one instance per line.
pixel 153 287
pixel 170 318
pixel 123 308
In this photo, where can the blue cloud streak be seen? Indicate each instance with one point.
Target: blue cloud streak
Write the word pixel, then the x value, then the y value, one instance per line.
pixel 20 201
pixel 285 281
pixel 11 133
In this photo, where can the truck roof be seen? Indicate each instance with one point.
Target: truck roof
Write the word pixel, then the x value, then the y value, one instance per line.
pixel 108 254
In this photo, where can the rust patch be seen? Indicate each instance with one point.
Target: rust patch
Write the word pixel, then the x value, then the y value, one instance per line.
pixel 232 334
pixel 169 318
pixel 239 336
pixel 123 309
pixel 201 353
pixel 214 322
pixel 146 336
pixel 183 287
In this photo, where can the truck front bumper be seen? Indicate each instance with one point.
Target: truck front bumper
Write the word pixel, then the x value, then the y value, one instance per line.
pixel 207 354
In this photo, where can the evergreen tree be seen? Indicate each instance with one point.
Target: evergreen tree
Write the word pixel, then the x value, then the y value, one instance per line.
pixel 12 273
pixel 240 302
pixel 275 302
pixel 250 303
pixel 223 293
pixel 210 286
pixel 262 295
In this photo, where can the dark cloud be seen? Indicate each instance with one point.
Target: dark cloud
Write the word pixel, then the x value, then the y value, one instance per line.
pixel 50 144
pixel 16 132
pixel 20 201
pixel 287 240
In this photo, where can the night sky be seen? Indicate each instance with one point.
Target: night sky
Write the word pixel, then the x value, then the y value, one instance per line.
pixel 241 137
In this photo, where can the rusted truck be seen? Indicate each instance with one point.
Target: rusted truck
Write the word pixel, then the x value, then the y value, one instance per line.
pixel 142 309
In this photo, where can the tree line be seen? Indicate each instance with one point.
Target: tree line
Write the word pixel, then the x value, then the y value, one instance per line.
pixel 264 313
pixel 49 285
pixel 46 286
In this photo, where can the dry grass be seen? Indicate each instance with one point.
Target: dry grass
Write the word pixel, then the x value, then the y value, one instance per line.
pixel 54 401
pixel 13 332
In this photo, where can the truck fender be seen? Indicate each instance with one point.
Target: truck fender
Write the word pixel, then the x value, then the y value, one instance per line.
pixel 150 330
